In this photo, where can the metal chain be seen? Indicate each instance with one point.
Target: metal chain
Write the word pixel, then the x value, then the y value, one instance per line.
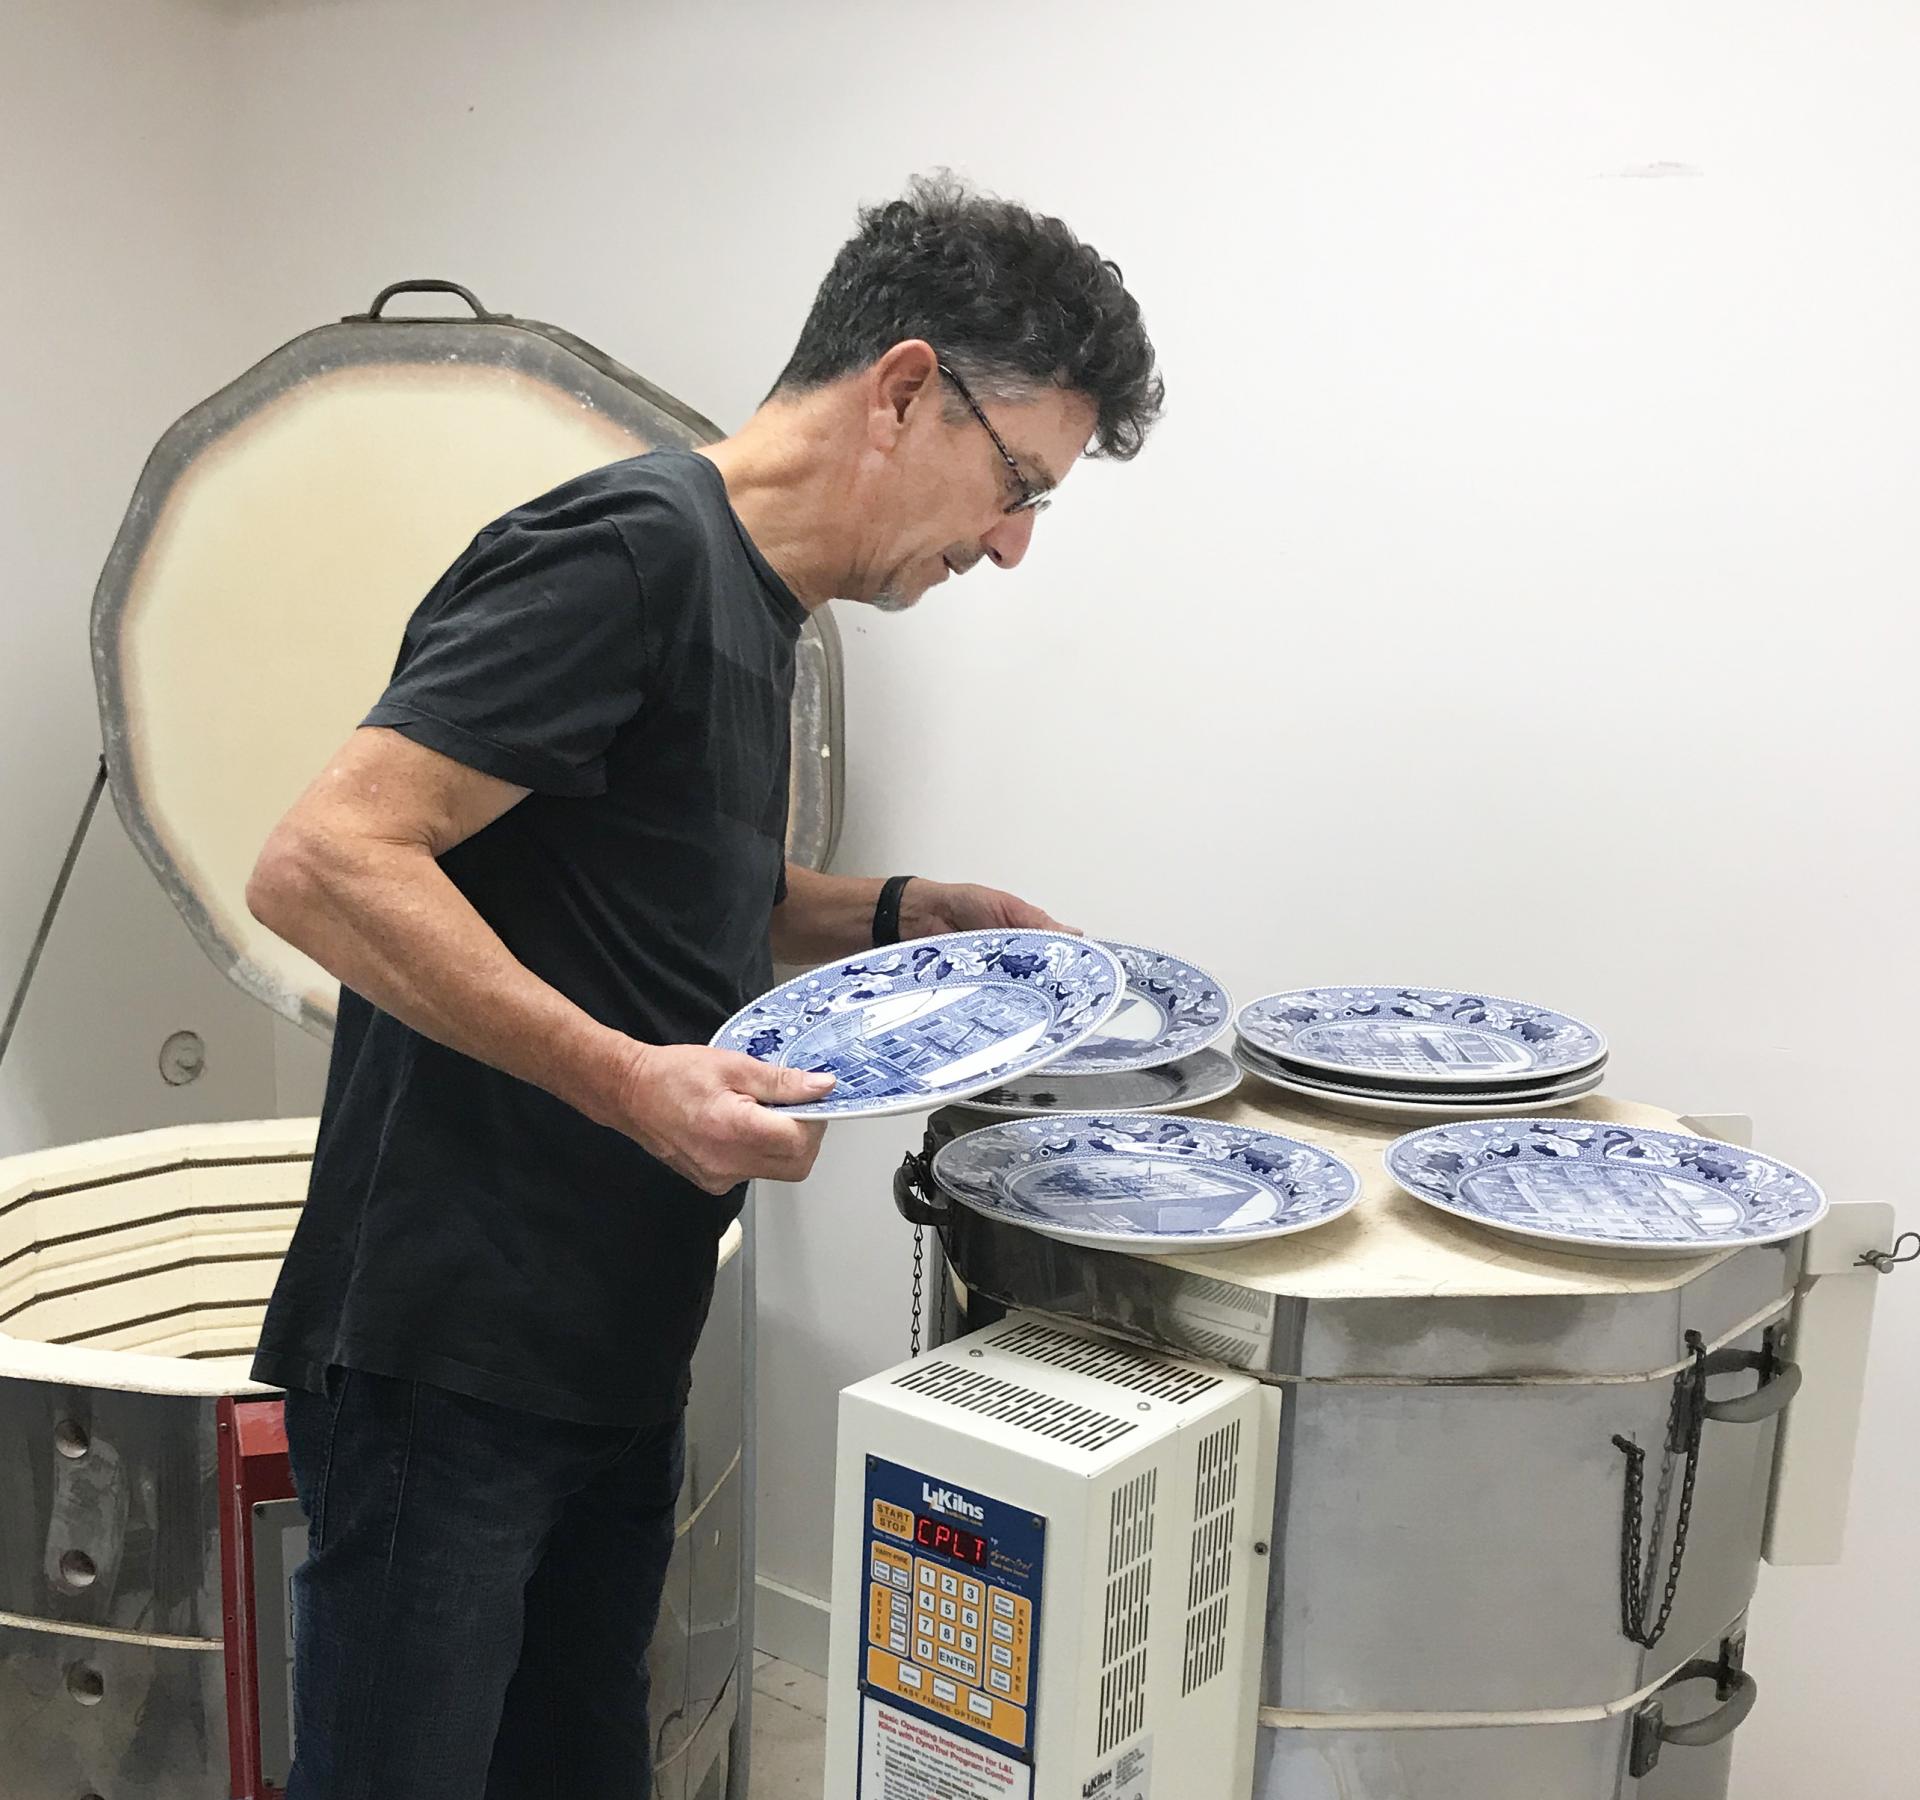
pixel 919 1281
pixel 943 1299
pixel 1686 1418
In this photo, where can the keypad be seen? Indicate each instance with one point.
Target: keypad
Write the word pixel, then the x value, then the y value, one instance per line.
pixel 926 1631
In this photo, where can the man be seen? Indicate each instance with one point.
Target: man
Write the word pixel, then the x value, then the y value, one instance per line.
pixel 545 869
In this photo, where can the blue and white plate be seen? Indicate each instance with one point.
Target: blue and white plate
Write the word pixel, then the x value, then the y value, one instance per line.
pixel 1606 1187
pixel 931 1021
pixel 1144 1181
pixel 1437 1036
pixel 1171 1010
pixel 1171 1087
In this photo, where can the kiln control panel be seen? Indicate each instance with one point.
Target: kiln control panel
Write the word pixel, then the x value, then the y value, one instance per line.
pixel 953 1593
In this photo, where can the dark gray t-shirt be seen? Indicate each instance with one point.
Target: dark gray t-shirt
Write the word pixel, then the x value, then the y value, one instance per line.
pixel 621 648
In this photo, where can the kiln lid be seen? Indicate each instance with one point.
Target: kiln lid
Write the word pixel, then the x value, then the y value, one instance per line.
pixel 280 535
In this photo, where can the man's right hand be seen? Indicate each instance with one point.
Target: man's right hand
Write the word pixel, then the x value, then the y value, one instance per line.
pixel 708 1114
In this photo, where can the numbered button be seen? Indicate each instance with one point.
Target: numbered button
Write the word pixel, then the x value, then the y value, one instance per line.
pixel 969 1643
pixel 949 1584
pixel 970 1592
pixel 948 1635
pixel 923 1649
pixel 970 1618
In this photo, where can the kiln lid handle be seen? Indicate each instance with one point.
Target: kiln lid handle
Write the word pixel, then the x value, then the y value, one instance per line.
pixel 421 287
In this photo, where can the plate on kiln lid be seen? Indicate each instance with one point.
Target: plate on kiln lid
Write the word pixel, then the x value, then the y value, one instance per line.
pixel 1594 1186
pixel 1172 1009
pixel 923 1024
pixel 1428 1035
pixel 1172 1087
pixel 1144 1181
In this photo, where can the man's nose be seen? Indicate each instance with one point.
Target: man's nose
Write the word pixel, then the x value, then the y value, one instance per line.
pixel 1007 542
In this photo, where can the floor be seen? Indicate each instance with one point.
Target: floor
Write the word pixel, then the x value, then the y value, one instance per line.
pixel 789 1731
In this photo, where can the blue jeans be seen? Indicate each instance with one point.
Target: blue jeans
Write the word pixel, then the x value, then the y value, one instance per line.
pixel 473 1619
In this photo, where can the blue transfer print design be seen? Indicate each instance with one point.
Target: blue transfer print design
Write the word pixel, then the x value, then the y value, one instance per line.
pixel 1171 1009
pixel 920 1024
pixel 1146 1178
pixel 1608 1185
pixel 1430 1034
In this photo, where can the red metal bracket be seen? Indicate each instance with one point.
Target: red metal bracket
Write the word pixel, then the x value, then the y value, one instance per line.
pixel 253 1467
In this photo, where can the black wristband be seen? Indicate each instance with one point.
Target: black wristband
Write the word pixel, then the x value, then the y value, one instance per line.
pixel 886 910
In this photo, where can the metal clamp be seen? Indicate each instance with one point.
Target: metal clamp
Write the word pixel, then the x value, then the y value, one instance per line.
pixel 1884 1261
pixel 420 287
pixel 914 1194
pixel 1737 1689
pixel 1779 1382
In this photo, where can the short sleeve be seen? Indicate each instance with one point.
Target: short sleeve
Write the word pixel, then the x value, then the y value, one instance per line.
pixel 526 658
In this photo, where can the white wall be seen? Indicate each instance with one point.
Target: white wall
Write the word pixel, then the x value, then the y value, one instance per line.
pixel 1519 592
pixel 113 321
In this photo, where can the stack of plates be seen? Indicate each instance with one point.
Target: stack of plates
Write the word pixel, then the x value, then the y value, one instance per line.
pixel 1444 1052
pixel 1152 1054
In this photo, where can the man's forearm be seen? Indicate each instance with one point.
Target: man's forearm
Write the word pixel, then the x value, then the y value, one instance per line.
pixel 824 916
pixel 385 919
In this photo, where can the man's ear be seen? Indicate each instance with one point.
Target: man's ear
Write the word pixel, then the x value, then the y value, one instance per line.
pixel 897 384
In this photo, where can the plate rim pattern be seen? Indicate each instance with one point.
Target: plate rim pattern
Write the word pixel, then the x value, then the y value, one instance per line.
pixel 1169 1047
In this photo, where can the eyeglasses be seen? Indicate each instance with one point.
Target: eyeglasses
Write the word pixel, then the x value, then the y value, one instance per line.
pixel 1032 499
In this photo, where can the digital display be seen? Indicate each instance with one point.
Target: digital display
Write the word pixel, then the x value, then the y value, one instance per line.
pixel 949 1540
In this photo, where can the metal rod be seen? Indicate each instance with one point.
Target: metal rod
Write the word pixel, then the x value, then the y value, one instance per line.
pixel 740 1751
pixel 53 906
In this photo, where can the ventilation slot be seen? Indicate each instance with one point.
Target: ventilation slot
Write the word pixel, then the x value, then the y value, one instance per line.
pixel 1250 1303
pixel 1123 1643
pixel 1130 1369
pixel 1080 1427
pixel 1235 1352
pixel 1216 1487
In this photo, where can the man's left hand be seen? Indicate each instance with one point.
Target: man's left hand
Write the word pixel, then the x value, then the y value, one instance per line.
pixel 928 908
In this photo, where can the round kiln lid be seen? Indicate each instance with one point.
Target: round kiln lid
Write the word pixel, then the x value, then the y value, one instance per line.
pixel 279 537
